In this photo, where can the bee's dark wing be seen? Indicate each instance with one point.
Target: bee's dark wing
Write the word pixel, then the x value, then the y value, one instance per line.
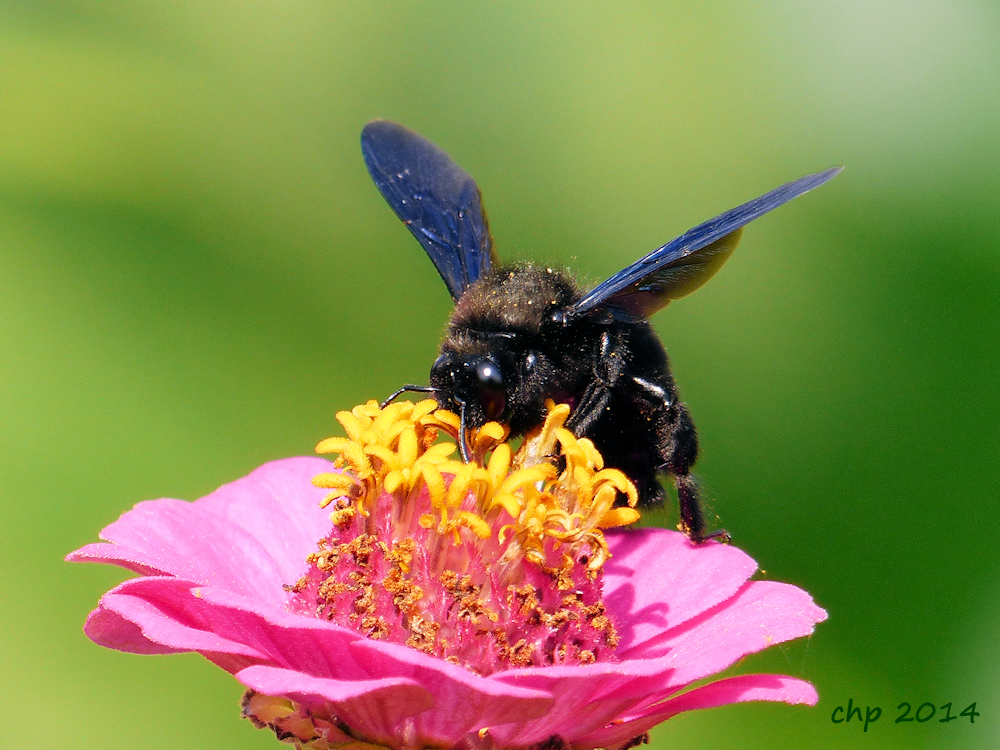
pixel 684 264
pixel 436 199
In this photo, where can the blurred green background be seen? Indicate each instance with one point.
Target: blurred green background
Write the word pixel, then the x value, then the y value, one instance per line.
pixel 197 273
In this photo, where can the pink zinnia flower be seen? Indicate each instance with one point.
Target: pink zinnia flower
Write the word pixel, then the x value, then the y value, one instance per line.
pixel 441 604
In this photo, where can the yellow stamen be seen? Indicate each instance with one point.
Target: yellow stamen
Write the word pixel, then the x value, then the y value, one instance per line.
pixel 333 481
pixel 393 481
pixel 385 455
pixel 525 477
pixel 523 498
pixel 618 517
pixel 352 425
pixel 423 408
pixel 435 486
pixel 332 445
pixel 408 449
pixel 447 419
pixel 594 458
pixel 499 463
pixel 473 522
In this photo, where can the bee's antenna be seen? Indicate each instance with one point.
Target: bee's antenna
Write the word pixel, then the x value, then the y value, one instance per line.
pixel 463 443
pixel 405 389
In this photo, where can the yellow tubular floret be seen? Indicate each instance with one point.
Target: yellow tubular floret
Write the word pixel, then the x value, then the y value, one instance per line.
pixel 525 477
pixel 423 408
pixel 435 486
pixel 445 419
pixel 333 445
pixel 523 498
pixel 475 523
pixel 352 424
pixel 408 448
pixel 333 481
pixel 393 481
pixel 499 463
pixel 487 437
pixel 439 452
pixel 385 455
pixel 354 456
pixel 594 457
pixel 459 486
pixel 621 483
pixel 618 517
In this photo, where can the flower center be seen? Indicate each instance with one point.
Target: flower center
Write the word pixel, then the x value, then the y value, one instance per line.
pixel 491 564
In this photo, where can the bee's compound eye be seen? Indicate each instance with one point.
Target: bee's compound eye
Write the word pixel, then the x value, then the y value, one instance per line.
pixel 530 360
pixel 489 381
pixel 489 375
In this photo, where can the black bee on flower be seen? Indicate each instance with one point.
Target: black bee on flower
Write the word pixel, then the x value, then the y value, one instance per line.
pixel 525 333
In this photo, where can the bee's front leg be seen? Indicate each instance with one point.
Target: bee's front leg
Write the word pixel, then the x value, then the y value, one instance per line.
pixel 609 369
pixel 590 408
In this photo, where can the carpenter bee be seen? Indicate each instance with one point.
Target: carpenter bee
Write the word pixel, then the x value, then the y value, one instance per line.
pixel 525 333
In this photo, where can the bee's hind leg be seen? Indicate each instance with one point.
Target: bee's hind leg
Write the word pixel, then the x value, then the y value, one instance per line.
pixel 680 454
pixel 692 517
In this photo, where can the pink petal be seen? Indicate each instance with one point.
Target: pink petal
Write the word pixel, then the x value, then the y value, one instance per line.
pixel 214 582
pixel 159 615
pixel 129 619
pixel 222 540
pixel 657 579
pixel 106 627
pixel 173 537
pixel 586 697
pixel 172 615
pixel 761 614
pixel 279 507
pixel 372 708
pixel 463 701
pixel 756 687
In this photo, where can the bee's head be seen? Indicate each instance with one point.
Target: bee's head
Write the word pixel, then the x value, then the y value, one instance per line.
pixel 475 381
